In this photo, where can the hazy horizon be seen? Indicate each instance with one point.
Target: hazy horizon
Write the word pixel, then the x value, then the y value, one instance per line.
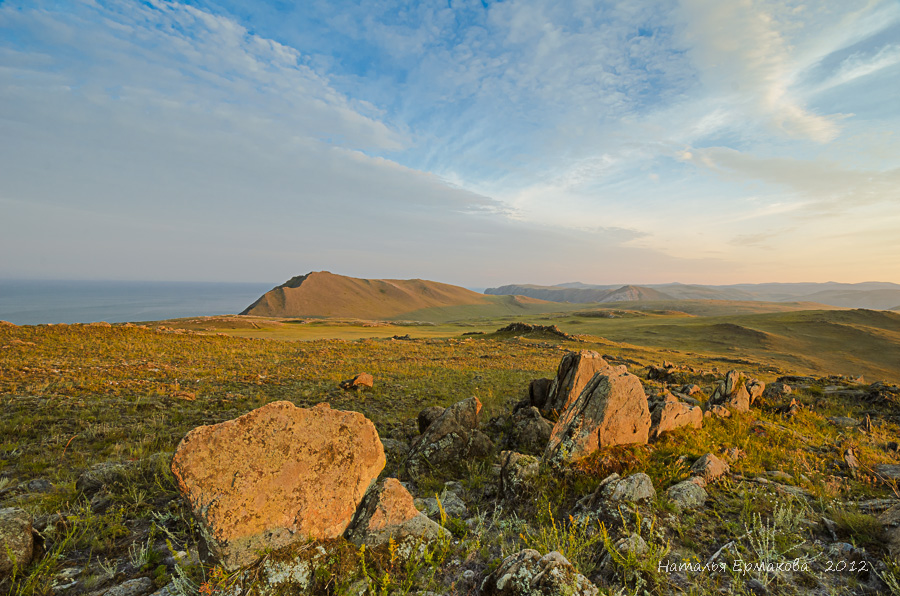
pixel 481 144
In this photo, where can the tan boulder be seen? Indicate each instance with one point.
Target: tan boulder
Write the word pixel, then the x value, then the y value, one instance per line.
pixel 359 382
pixel 388 512
pixel 710 468
pixel 276 475
pixel 672 414
pixel 611 410
pixel 575 371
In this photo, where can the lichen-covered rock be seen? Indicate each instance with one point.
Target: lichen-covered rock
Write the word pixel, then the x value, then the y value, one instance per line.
pixel 527 573
pixel 612 492
pixel 277 475
pixel 576 369
pixel 710 468
pixel 530 431
pixel 611 410
pixel 450 440
pixel 516 469
pixel 427 416
pixel 633 489
pixel 16 539
pixel 673 414
pixel 687 495
pixel 629 547
pixel 133 587
pixel 387 512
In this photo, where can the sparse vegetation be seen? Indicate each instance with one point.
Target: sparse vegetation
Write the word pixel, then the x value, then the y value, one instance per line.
pixel 75 396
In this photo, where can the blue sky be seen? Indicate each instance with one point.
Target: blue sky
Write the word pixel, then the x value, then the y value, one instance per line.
pixel 477 143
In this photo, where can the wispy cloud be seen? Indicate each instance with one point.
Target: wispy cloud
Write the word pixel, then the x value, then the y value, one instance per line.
pixel 673 137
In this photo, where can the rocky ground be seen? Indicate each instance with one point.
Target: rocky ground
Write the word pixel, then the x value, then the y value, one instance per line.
pixel 606 476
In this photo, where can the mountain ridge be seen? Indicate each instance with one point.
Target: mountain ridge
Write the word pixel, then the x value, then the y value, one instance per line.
pixel 871 295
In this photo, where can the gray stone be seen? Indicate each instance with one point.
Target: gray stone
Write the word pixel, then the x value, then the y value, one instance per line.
pixel 527 573
pixel 530 432
pixel 888 471
pixel 450 440
pixel 516 470
pixel 539 392
pixel 633 489
pixel 687 495
pixel 427 416
pixel 133 587
pixel 40 485
pixel 16 539
pixel 450 501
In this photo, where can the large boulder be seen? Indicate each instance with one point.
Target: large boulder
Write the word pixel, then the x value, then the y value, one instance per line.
pixel 450 440
pixel 276 475
pixel 672 414
pixel 527 573
pixel 611 410
pixel 387 512
pixel 575 371
pixel 16 539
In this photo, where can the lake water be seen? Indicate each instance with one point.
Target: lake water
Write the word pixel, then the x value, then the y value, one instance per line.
pixel 34 302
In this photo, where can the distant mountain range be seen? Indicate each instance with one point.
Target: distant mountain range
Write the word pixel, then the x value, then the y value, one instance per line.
pixel 871 295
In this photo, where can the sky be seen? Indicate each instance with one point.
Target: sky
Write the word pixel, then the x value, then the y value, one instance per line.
pixel 478 143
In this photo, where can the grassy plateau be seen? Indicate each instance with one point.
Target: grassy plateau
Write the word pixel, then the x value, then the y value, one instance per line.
pixel 74 396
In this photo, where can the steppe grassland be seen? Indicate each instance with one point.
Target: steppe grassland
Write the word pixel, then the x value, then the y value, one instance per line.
pixel 73 396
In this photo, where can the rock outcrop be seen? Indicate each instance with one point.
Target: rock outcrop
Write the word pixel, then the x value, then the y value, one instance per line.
pixel 575 371
pixel 450 440
pixel 736 392
pixel 527 573
pixel 672 414
pixel 611 410
pixel 276 475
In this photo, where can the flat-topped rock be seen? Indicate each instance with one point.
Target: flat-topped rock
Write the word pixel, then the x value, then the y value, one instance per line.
pixel 276 475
